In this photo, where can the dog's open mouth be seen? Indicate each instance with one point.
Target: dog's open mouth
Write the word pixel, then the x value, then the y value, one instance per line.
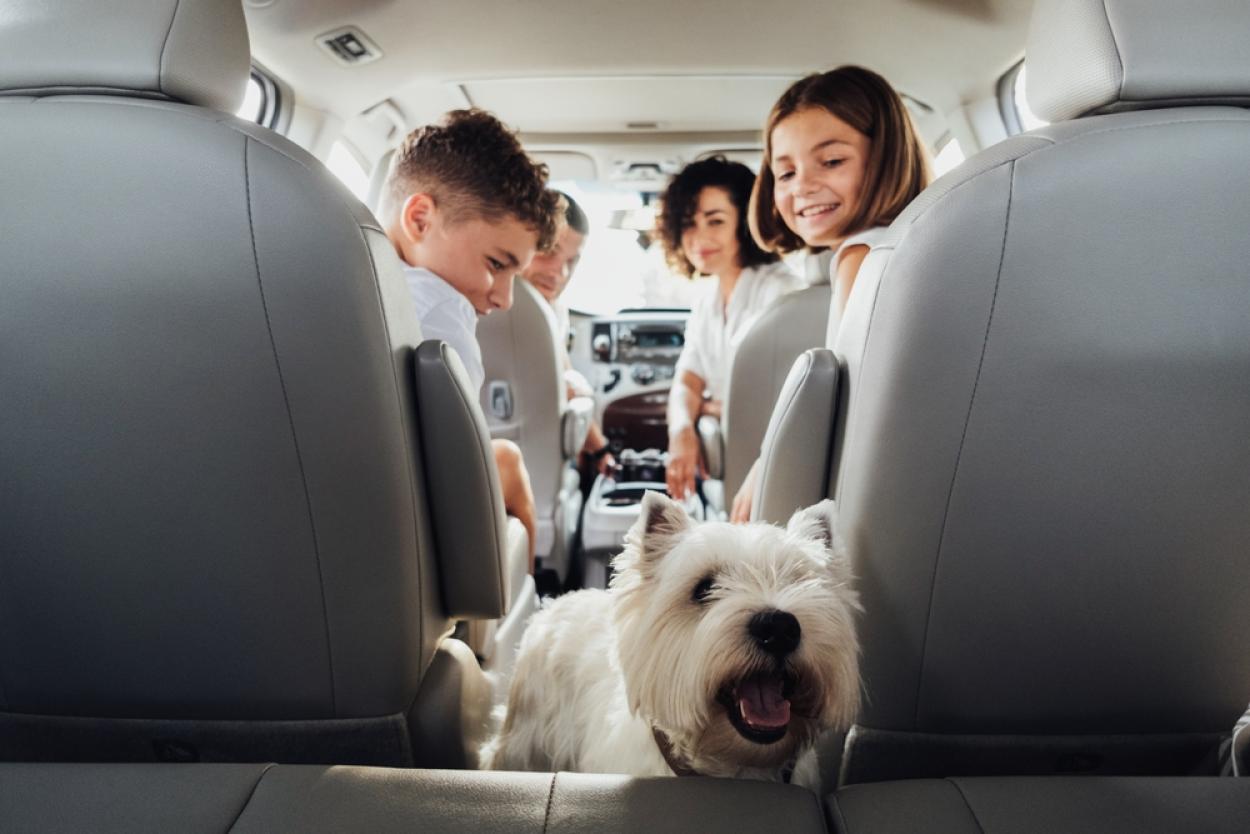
pixel 759 706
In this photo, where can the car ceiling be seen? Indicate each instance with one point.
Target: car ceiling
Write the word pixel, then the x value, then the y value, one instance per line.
pixel 598 65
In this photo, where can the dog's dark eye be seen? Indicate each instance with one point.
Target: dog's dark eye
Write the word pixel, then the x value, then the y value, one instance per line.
pixel 702 590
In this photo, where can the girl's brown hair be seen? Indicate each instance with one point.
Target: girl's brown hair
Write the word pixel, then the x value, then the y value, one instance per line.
pixel 897 168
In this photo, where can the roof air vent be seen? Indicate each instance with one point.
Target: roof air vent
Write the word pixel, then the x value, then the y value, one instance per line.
pixel 349 46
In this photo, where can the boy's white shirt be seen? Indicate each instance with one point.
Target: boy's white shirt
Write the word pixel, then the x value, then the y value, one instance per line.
pixel 447 315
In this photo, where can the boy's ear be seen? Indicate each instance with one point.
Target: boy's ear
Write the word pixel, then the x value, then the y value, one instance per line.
pixel 417 215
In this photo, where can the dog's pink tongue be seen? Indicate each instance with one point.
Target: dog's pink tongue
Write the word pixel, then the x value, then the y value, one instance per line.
pixel 761 702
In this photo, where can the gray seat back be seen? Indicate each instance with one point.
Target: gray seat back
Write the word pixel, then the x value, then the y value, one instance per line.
pixel 1042 462
pixel 215 540
pixel 792 324
pixel 521 353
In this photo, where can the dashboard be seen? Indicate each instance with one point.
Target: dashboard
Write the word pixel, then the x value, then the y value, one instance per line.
pixel 629 358
pixel 647 349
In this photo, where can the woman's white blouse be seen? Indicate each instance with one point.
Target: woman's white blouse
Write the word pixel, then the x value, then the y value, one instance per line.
pixel 713 332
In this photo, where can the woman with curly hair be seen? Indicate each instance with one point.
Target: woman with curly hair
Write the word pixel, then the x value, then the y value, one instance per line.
pixel 703 227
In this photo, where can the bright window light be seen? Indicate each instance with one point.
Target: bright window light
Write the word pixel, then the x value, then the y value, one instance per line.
pixel 344 165
pixel 253 101
pixel 949 157
pixel 1028 119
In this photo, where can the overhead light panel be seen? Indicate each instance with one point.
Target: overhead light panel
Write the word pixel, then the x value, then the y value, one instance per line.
pixel 349 46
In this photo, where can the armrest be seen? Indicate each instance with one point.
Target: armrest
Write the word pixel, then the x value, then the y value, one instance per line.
pixel 574 425
pixel 461 487
pixel 712 442
pixel 794 460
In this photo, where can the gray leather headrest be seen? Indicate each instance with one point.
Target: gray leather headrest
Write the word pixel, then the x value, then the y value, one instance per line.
pixel 1104 56
pixel 466 505
pixel 193 51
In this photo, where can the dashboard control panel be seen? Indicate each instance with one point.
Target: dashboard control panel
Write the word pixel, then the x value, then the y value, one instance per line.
pixel 635 341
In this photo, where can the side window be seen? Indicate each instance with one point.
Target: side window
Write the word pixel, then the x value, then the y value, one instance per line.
pixel 260 101
pixel 1017 115
pixel 343 163
pixel 948 157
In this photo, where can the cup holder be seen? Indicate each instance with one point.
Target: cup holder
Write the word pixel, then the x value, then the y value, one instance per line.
pixel 629 494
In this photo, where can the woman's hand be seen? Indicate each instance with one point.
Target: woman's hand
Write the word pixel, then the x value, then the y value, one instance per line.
pixel 683 463
pixel 740 513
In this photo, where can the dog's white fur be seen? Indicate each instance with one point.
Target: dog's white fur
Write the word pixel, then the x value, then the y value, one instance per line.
pixel 599 670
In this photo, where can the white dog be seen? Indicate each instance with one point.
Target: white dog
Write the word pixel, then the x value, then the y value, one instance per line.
pixel 719 650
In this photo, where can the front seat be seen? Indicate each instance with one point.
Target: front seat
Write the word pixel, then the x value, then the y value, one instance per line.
pixel 525 401
pixel 792 324
pixel 227 471
pixel 1040 452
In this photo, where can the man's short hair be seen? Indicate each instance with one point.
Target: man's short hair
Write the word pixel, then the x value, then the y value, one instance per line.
pixel 474 167
pixel 574 216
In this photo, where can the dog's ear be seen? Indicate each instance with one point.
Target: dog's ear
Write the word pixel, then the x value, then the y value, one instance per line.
pixel 819 523
pixel 661 521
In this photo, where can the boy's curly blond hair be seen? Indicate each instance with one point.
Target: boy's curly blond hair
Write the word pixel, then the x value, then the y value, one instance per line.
pixel 473 166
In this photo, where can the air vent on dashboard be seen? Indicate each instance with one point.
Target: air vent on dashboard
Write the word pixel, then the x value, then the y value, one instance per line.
pixel 349 46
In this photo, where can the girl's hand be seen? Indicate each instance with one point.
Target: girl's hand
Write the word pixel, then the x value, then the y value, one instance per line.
pixel 740 513
pixel 683 463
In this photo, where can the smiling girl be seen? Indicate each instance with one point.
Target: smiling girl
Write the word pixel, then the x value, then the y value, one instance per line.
pixel 841 161
pixel 703 224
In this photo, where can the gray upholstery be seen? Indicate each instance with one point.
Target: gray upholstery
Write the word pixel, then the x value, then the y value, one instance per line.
pixel 216 540
pixel 460 475
pixel 193 51
pixel 258 798
pixel 1101 56
pixel 520 350
pixel 791 325
pixel 136 799
pixel 794 461
pixel 1040 454
pixel 1043 806
pixel 1045 450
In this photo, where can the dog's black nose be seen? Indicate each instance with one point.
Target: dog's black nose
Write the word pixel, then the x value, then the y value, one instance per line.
pixel 776 632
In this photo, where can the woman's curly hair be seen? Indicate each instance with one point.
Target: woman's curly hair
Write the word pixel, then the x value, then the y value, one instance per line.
pixel 473 166
pixel 681 199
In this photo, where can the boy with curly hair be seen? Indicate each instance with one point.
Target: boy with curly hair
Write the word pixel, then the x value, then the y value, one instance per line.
pixel 466 209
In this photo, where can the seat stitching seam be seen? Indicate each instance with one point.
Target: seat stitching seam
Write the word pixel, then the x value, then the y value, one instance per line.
pixel 1150 125
pixel 1106 14
pixel 967 804
pixel 250 796
pixel 837 810
pixel 160 64
pixel 551 795
pixel 325 615
pixel 989 320
pixel 835 453
pixel 412 487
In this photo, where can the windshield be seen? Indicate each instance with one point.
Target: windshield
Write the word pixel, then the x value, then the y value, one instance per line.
pixel 621 265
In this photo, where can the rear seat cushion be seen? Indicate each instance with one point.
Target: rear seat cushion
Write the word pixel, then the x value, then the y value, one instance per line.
pixel 262 798
pixel 1043 805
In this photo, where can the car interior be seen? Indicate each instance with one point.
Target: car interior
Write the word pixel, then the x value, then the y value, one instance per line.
pixel 255 568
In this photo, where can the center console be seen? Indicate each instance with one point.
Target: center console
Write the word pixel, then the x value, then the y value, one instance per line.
pixel 613 507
